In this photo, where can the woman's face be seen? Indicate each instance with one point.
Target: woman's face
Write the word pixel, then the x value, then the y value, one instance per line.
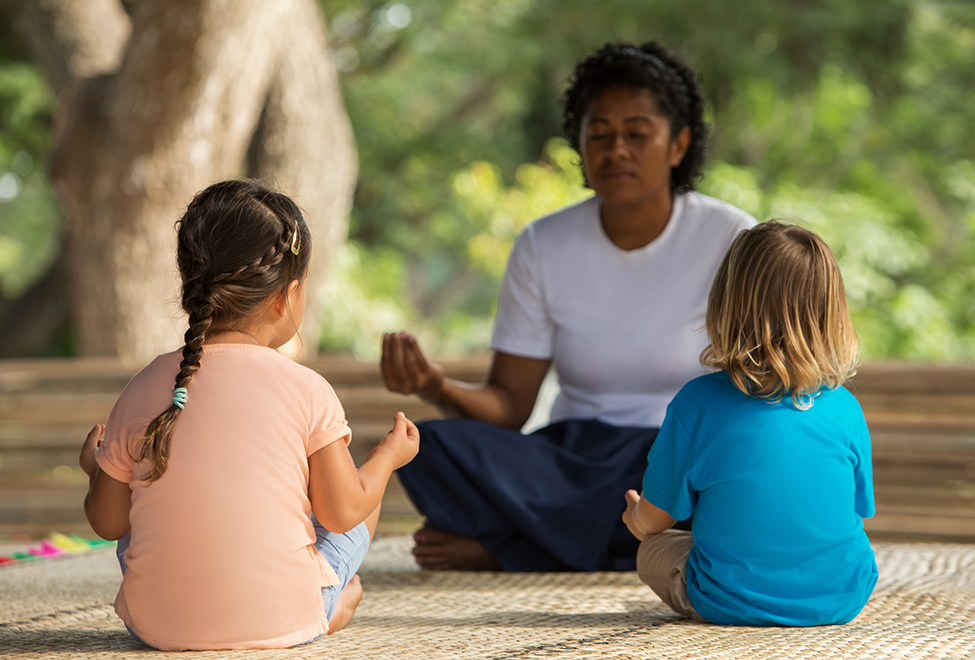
pixel 627 150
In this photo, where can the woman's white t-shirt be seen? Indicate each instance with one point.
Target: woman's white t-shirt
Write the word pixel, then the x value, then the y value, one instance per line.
pixel 625 328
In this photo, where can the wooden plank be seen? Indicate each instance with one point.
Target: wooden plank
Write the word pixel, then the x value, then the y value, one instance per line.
pixel 921 441
pixel 914 377
pixel 918 419
pixel 922 421
pixel 921 527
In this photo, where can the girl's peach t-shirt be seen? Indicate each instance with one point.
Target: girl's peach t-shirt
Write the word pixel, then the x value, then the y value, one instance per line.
pixel 221 553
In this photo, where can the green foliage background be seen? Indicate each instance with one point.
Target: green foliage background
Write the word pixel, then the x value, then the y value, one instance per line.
pixel 854 118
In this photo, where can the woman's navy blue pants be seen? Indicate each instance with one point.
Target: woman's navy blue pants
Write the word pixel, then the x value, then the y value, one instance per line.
pixel 545 501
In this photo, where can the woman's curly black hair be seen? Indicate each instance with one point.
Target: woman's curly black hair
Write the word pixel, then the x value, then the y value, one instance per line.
pixel 672 83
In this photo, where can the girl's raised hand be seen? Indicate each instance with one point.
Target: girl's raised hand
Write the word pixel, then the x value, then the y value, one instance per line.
pixel 92 442
pixel 629 516
pixel 405 369
pixel 401 443
pixel 342 496
pixel 642 517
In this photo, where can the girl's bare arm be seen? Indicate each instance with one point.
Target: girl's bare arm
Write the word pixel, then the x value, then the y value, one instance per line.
pixel 643 518
pixel 108 500
pixel 343 496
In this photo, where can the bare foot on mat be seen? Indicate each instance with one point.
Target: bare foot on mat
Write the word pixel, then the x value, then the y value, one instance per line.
pixel 440 551
pixel 345 607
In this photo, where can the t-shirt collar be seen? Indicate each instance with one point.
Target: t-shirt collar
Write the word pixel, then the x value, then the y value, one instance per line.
pixel 676 213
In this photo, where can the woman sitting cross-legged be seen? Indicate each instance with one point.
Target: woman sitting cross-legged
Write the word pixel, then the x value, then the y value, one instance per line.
pixel 612 292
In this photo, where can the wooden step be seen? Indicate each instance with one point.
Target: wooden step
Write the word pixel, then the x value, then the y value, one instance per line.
pixel 921 417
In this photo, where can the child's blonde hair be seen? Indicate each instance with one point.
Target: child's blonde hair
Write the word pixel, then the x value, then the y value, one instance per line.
pixel 777 316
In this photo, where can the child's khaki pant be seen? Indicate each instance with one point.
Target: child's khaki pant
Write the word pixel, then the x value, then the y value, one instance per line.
pixel 661 563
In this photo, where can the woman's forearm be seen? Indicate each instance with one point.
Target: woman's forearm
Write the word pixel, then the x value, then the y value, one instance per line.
pixel 481 401
pixel 505 399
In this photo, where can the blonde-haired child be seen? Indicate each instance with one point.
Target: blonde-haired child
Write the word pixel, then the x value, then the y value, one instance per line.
pixel 224 469
pixel 769 454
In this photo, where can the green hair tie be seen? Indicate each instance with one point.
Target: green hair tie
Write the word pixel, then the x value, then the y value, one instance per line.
pixel 179 397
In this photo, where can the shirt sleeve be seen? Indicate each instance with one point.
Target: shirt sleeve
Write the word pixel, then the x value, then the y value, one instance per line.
pixel 666 483
pixel 863 471
pixel 114 456
pixel 328 423
pixel 522 326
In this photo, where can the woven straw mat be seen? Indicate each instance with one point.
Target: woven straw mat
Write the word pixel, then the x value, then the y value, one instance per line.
pixel 923 607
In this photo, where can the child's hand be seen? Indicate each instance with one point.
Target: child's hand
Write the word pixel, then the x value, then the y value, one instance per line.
pixel 630 517
pixel 642 518
pixel 92 442
pixel 402 442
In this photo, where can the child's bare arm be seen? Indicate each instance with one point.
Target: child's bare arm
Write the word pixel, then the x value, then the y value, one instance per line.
pixel 643 518
pixel 341 495
pixel 108 500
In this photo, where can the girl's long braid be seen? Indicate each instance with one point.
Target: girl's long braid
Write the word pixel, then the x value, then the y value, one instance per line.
pixel 155 449
pixel 215 292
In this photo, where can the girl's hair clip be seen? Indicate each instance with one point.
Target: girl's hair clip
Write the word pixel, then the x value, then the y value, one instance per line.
pixel 295 245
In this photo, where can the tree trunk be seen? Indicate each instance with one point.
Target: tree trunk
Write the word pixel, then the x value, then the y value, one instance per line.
pixel 179 112
pixel 30 324
pixel 73 39
pixel 304 147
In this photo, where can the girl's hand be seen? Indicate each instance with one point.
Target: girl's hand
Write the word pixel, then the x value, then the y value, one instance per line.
pixel 92 442
pixel 630 515
pixel 342 496
pixel 406 370
pixel 401 444
pixel 108 500
pixel 643 518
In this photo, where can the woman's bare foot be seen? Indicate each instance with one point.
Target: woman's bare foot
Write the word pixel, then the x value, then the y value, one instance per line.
pixel 440 551
pixel 345 607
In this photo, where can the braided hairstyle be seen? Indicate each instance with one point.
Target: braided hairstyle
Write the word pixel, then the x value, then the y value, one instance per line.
pixel 671 83
pixel 236 247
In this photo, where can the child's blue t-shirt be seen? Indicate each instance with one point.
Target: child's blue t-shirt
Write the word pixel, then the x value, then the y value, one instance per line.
pixel 778 495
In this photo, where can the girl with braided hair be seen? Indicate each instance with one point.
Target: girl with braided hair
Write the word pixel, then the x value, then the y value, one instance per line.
pixel 612 292
pixel 224 470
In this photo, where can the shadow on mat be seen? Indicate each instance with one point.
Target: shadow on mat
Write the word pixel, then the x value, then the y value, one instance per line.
pixel 488 581
pixel 66 640
pixel 646 615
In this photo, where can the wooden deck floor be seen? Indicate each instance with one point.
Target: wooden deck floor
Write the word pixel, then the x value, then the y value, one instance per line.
pixel 921 417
